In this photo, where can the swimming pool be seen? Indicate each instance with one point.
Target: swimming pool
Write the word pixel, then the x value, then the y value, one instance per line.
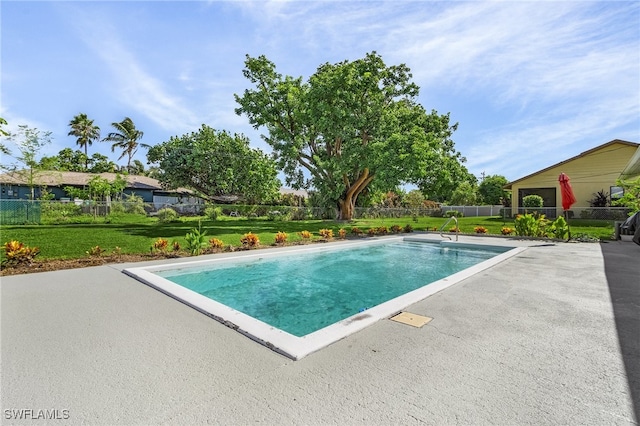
pixel 297 300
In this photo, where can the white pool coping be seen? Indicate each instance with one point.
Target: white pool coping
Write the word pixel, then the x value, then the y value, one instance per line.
pixel 298 347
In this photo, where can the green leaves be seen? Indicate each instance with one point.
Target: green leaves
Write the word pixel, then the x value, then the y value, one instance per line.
pixel 125 137
pixel 216 163
pixel 353 124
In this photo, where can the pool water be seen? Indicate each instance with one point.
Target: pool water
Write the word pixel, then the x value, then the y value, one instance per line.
pixel 303 293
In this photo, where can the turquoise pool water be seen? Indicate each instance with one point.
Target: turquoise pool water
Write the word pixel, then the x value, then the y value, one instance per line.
pixel 303 293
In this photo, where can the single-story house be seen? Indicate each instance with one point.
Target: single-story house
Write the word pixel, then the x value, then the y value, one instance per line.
pixel 590 172
pixel 14 186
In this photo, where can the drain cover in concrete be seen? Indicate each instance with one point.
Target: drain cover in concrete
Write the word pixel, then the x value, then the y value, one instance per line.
pixel 411 319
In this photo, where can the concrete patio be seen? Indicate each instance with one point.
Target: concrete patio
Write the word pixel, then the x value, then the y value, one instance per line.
pixel 550 336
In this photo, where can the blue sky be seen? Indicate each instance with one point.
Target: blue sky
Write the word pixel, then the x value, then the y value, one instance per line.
pixel 530 83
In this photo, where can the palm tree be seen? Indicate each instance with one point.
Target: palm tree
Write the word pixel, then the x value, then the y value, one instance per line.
pixel 86 132
pixel 126 138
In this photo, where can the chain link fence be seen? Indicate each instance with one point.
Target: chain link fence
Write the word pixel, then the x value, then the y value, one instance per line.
pixel 587 213
pixel 18 212
pixel 24 211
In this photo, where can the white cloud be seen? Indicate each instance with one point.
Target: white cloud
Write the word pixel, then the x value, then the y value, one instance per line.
pixel 135 86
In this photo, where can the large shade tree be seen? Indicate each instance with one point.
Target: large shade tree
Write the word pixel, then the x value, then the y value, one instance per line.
pixel 85 131
pixel 126 137
pixel 491 189
pixel 353 126
pixel 216 163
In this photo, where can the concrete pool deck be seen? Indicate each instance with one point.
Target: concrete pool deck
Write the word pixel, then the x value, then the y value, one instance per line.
pixel 549 336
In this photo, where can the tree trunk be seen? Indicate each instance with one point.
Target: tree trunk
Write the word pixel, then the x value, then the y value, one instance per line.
pixel 346 208
pixel 347 203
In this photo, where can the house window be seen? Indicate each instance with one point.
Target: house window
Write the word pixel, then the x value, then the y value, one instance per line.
pixel 548 195
pixel 616 192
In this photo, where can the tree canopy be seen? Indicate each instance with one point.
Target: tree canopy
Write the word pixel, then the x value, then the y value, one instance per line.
pixel 215 163
pixel 85 131
pixel 491 189
pixel 29 142
pixel 76 161
pixel 352 126
pixel 126 138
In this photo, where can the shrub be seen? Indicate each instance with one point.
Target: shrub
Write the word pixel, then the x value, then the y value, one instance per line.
pixel 281 237
pixel 450 213
pixel 480 230
pixel 59 212
pixel 134 204
pixel 216 244
pixel 600 199
pixel 17 253
pixel 454 229
pixel 117 207
pixel 160 245
pixel 407 228
pixel 559 228
pixel 95 251
pixel 176 246
pixel 533 201
pixel 342 233
pixel 356 231
pixel 250 240
pixel 327 234
pixel 212 212
pixel 305 235
pixel 372 231
pixel 529 225
pixel 167 215
pixel 506 230
pixel 301 213
pixel 196 241
pixel 396 229
pixel 383 230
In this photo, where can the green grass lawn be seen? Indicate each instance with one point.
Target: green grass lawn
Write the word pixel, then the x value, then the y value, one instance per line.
pixel 136 234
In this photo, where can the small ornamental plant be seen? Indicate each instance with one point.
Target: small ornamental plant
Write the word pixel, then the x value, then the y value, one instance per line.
pixel 176 246
pixel 356 231
pixel 250 240
pixel 383 230
pixel 17 253
pixel 480 230
pixel 326 234
pixel 396 229
pixel 196 240
pixel 160 245
pixel 281 238
pixel 372 231
pixel 454 229
pixel 117 251
pixel 407 228
pixel 215 244
pixel 305 235
pixel 507 231
pixel 342 233
pixel 95 251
